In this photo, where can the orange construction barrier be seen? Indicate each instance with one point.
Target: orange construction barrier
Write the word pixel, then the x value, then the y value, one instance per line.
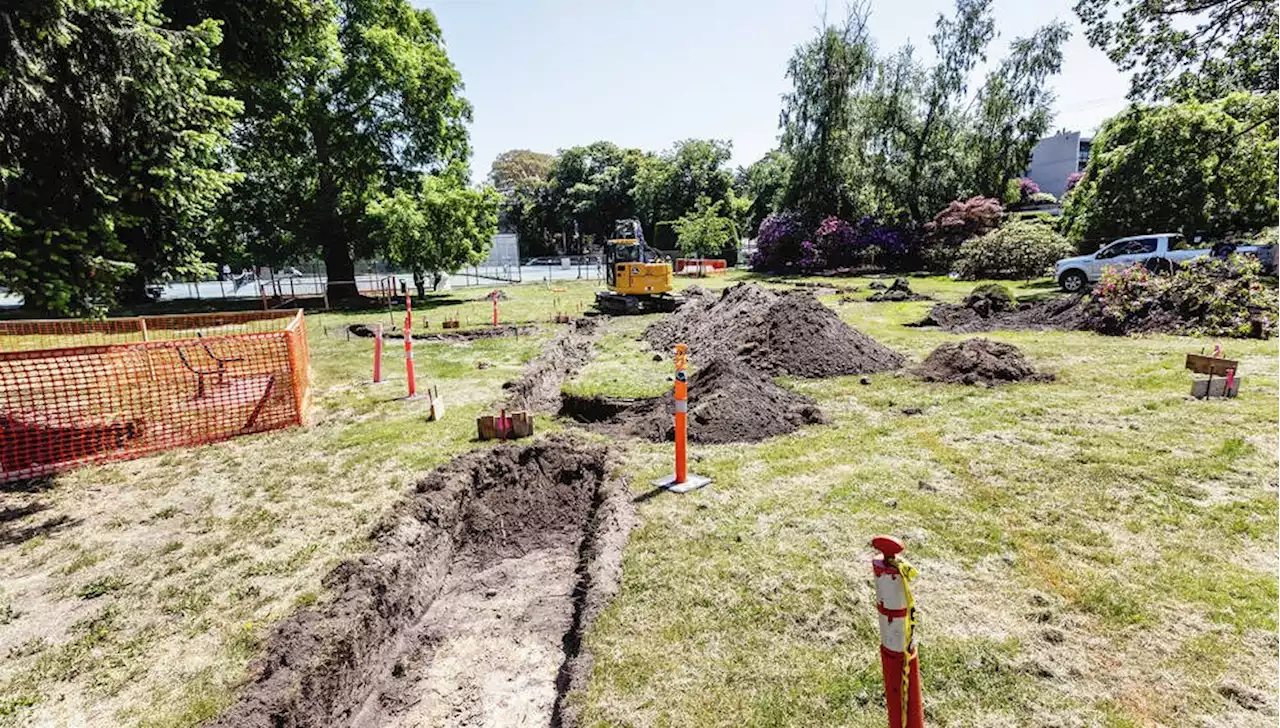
pixel 701 266
pixel 377 353
pixel 899 659
pixel 408 347
pixel 77 392
pixel 681 481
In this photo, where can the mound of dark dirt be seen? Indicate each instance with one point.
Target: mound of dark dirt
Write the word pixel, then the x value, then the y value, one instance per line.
pixel 728 402
pixel 899 290
pixel 538 388
pixel 1052 314
pixel 501 294
pixel 470 609
pixel 978 360
pixel 778 333
pixel 366 331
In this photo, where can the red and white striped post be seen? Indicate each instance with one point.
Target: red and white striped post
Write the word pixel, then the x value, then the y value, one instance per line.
pixel 377 353
pixel 408 347
pixel 899 658
pixel 681 481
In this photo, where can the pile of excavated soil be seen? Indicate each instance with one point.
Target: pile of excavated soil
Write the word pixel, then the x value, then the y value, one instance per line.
pixel 777 333
pixel 1060 314
pixel 470 609
pixel 974 361
pixel 538 388
pixel 728 402
pixel 899 290
pixel 366 331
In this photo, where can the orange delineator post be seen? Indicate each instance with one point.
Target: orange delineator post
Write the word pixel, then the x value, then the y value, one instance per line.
pixel 494 295
pixel 408 347
pixel 899 658
pixel 682 412
pixel 377 354
pixel 681 481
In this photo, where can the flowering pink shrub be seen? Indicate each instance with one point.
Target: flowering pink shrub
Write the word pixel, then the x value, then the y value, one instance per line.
pixel 1205 297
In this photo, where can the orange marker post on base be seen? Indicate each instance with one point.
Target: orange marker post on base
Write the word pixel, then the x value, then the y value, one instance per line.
pixel 408 347
pixel 681 481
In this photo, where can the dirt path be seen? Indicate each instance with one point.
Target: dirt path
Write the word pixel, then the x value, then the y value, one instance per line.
pixel 538 388
pixel 471 609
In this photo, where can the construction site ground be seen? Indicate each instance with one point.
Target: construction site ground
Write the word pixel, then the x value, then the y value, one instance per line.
pixel 1097 550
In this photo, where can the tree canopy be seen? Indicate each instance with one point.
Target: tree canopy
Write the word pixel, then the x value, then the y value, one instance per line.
pixel 889 137
pixel 112 138
pixel 704 230
pixel 1187 49
pixel 435 227
pixel 1200 168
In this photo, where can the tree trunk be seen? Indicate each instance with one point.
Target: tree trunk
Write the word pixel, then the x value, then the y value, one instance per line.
pixel 420 282
pixel 339 268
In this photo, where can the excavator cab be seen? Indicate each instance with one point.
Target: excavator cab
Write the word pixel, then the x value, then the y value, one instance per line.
pixel 639 277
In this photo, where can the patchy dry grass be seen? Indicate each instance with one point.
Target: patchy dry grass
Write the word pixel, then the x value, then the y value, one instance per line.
pixel 1095 551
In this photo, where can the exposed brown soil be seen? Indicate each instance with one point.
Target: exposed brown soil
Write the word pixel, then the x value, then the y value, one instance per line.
pixel 777 333
pixel 818 289
pixel 469 611
pixel 393 332
pixel 899 290
pixel 728 402
pixel 1052 314
pixel 538 388
pixel 974 361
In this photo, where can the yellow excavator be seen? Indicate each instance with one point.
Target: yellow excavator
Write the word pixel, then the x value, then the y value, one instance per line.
pixel 638 277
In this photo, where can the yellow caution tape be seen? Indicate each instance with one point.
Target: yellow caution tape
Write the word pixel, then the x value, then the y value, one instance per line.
pixel 908 572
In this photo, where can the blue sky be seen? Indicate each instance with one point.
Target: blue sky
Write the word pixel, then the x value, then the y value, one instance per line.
pixel 550 74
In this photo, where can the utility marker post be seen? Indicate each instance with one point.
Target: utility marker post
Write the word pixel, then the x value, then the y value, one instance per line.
pixel 681 481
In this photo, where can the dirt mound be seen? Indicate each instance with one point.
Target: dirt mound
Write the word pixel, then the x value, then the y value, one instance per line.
pixel 471 608
pixel 538 388
pixel 778 333
pixel 978 360
pixel 501 294
pixel 728 402
pixel 899 290
pixel 1053 314
pixel 366 331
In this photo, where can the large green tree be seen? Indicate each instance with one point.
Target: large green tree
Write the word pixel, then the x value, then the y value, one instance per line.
pixel 522 177
pixel 1187 49
pixel 590 188
pixel 351 99
pixel 761 186
pixel 671 185
pixel 818 116
pixel 436 226
pixel 1200 168
pixel 112 138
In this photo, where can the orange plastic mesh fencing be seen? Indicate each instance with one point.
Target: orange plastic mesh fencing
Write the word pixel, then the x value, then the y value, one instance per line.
pixel 76 392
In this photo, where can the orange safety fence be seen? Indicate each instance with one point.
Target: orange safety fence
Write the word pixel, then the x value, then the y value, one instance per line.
pixel 78 392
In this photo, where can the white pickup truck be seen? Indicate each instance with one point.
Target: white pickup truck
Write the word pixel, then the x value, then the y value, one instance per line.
pixel 1159 252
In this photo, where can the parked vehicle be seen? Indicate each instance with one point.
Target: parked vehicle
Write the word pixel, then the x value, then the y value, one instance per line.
pixel 1159 252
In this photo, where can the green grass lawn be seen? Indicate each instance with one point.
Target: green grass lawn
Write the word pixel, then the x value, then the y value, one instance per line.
pixel 1099 550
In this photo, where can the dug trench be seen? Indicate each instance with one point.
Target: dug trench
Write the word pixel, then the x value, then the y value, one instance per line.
pixel 470 609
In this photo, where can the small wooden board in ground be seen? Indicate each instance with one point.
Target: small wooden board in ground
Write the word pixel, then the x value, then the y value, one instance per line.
pixel 1211 365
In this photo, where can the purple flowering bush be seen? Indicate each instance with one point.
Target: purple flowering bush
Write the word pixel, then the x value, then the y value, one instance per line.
pixel 784 244
pixel 1073 179
pixel 778 244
